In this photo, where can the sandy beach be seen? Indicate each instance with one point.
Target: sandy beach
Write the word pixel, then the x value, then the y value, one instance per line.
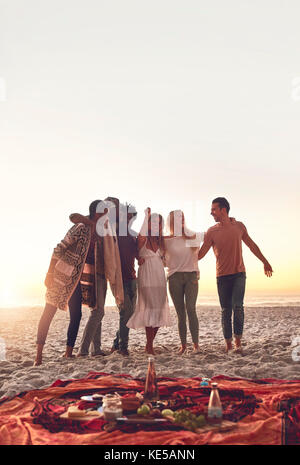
pixel 269 341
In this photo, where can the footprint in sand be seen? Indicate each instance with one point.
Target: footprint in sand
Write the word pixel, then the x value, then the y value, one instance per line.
pixel 26 363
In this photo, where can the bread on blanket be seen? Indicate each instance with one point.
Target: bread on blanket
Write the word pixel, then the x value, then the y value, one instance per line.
pixel 74 411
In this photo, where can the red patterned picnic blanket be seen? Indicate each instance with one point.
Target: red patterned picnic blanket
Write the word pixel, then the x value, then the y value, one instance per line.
pixel 265 411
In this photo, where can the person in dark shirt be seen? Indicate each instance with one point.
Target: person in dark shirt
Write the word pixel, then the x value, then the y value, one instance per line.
pixel 127 241
pixel 94 268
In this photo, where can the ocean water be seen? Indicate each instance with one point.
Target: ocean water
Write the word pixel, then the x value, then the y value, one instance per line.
pixel 207 300
pixel 256 300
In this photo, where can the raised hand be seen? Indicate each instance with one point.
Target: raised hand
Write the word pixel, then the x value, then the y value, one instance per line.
pixel 148 212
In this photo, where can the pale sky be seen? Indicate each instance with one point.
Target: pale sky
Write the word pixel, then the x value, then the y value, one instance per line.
pixel 166 104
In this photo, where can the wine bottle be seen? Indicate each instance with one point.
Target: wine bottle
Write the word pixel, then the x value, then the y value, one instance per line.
pixel 151 389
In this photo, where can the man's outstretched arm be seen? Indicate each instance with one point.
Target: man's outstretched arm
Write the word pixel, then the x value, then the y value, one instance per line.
pixel 256 251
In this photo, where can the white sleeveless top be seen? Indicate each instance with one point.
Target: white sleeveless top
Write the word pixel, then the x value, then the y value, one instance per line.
pixel 182 254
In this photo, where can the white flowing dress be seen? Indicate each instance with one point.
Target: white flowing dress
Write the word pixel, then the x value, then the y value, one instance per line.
pixel 152 307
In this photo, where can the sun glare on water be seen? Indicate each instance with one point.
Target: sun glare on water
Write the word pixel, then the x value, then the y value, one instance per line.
pixel 8 297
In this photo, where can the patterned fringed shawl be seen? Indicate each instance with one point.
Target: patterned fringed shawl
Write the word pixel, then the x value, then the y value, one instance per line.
pixel 69 267
pixel 69 255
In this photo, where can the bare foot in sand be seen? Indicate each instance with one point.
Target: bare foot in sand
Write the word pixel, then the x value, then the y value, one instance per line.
pixel 38 362
pixel 196 349
pixel 238 345
pixel 68 352
pixel 228 345
pixel 182 349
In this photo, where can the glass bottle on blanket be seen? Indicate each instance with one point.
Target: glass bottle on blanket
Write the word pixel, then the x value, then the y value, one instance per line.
pixel 151 389
pixel 215 411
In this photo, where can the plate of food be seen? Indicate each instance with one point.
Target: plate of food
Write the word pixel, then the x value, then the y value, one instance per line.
pixel 93 398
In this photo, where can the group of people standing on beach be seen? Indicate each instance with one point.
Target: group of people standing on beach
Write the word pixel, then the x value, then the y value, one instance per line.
pixel 102 248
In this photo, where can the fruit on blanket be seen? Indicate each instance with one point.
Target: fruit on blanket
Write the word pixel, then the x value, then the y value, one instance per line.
pixel 167 412
pixel 143 410
pixel 189 420
pixel 201 421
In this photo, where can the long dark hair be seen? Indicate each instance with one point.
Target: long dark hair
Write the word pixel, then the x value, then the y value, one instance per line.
pixel 93 208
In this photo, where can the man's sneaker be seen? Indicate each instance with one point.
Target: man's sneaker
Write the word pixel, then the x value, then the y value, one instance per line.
pixel 124 352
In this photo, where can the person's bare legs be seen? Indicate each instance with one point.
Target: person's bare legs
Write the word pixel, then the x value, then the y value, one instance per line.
pixel 155 331
pixel 150 338
pixel 154 334
pixel 39 355
pixel 43 328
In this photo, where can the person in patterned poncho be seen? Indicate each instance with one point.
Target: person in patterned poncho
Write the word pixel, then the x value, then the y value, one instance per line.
pixel 70 280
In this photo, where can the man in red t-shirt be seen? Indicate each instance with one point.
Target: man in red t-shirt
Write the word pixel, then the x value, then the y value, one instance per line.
pixel 226 240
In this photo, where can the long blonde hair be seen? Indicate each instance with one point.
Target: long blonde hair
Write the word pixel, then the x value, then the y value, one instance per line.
pixel 183 230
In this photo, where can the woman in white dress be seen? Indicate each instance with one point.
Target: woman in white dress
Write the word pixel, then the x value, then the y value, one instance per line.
pixel 152 309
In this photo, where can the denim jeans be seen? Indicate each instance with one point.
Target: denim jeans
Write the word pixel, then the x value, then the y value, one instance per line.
pixel 75 317
pixel 92 331
pixel 183 287
pixel 126 311
pixel 231 290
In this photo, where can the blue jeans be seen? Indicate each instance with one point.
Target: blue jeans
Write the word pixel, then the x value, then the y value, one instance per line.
pixel 231 290
pixel 126 311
